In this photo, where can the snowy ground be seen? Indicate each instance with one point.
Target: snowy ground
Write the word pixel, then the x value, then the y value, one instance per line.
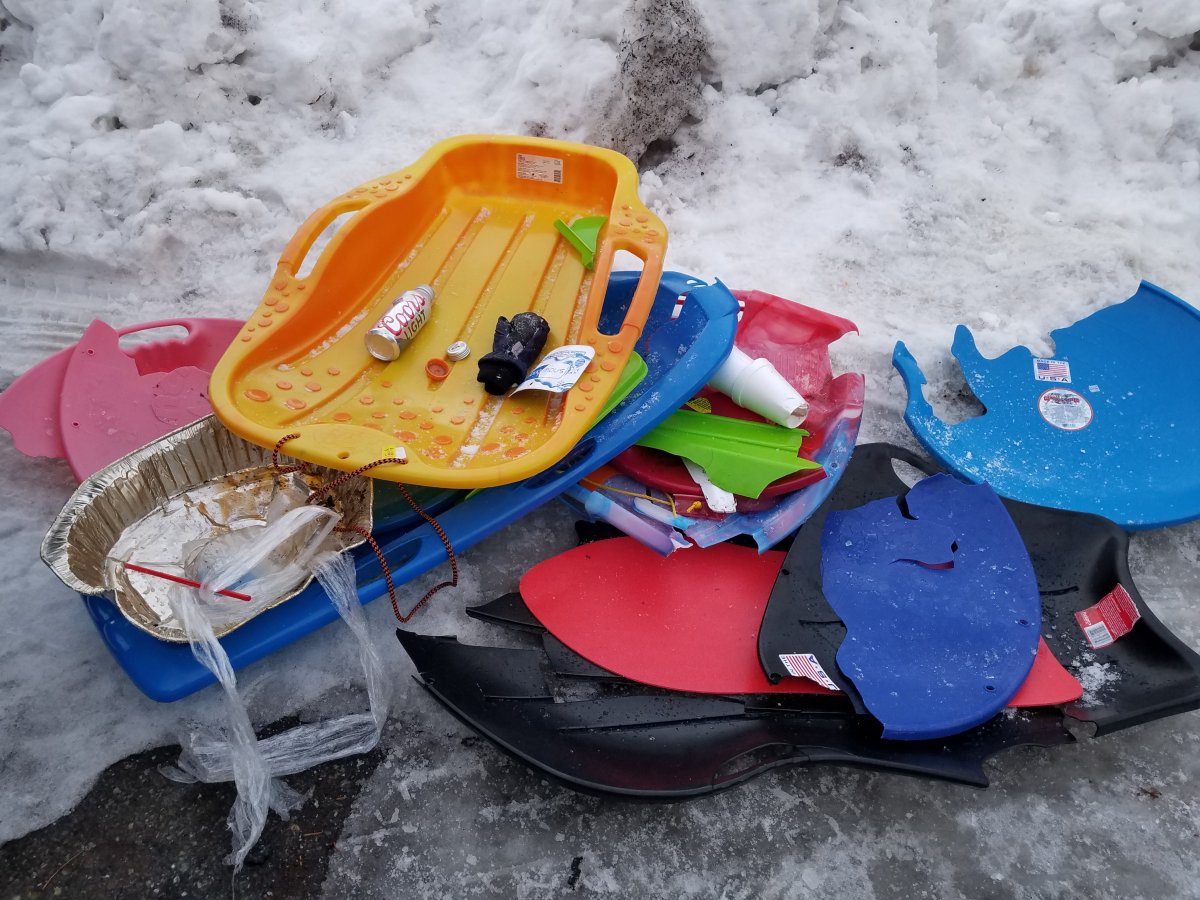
pixel 910 165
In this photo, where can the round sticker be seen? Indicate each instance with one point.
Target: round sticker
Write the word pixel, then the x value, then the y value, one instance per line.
pixel 1065 409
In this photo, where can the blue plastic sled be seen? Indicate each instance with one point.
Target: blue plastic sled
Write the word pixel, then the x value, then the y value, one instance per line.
pixel 681 355
pixel 940 603
pixel 1110 424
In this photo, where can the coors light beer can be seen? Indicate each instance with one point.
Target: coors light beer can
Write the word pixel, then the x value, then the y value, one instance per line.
pixel 400 324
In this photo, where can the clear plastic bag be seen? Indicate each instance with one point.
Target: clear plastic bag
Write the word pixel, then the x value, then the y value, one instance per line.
pixel 255 564
pixel 262 561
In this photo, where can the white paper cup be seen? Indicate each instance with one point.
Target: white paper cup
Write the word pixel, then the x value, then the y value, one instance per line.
pixel 756 385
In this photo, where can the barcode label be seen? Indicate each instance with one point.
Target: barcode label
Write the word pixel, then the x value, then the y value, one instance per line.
pixel 1113 617
pixel 1098 635
pixel 539 168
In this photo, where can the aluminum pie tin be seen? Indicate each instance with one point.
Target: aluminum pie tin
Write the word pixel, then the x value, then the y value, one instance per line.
pixel 194 483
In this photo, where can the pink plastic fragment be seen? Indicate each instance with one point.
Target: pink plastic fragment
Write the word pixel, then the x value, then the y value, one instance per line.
pixel 120 399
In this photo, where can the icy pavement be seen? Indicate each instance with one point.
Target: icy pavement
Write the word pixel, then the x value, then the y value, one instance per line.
pixel 448 815
pixel 1013 166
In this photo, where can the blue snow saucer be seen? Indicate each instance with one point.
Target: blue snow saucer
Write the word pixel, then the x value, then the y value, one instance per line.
pixel 1108 425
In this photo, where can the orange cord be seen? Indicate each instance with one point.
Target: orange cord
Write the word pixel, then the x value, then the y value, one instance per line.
pixel 284 470
pixel 387 571
pixel 366 535
pixel 441 533
pixel 347 476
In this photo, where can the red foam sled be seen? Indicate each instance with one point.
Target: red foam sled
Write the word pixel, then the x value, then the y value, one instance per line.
pixel 689 621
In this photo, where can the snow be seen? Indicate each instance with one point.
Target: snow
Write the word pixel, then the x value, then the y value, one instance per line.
pixel 1094 676
pixel 1012 166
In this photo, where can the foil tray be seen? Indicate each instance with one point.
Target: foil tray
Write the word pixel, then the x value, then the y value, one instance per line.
pixel 196 482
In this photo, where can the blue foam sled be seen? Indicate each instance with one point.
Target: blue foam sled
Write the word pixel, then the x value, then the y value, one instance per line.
pixel 940 603
pixel 1109 425
pixel 681 356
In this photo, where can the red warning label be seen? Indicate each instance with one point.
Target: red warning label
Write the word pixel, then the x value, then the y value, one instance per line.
pixel 1113 617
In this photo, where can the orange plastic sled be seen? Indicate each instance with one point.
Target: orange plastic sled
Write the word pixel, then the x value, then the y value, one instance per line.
pixel 474 218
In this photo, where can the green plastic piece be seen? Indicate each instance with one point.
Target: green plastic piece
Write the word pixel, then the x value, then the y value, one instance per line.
pixel 631 376
pixel 739 456
pixel 582 234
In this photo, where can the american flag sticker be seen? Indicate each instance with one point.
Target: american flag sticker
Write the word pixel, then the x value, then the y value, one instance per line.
pixel 1056 370
pixel 805 665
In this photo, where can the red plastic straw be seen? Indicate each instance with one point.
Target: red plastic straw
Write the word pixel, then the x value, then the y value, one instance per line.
pixel 178 580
